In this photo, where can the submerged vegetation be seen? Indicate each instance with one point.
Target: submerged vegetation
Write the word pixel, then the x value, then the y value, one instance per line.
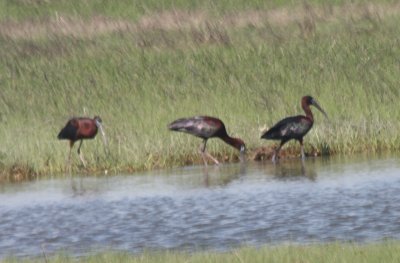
pixel 329 253
pixel 140 65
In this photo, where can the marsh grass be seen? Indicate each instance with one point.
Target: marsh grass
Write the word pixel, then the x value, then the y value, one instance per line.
pixel 248 67
pixel 387 251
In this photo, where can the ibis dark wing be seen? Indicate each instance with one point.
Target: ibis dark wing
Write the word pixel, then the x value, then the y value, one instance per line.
pixel 289 128
pixel 69 132
pixel 201 126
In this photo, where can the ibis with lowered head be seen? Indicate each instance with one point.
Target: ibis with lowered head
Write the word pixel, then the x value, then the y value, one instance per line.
pixel 207 127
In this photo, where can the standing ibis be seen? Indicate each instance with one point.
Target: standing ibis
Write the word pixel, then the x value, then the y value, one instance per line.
pixel 207 127
pixel 80 129
pixel 294 127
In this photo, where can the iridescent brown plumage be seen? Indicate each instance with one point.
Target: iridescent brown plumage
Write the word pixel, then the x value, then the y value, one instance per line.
pixel 80 128
pixel 295 127
pixel 207 127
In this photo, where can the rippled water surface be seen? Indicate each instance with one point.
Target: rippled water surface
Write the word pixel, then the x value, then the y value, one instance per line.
pixel 191 208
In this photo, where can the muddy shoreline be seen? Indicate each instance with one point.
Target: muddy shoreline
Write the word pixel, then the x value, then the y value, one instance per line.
pixel 23 172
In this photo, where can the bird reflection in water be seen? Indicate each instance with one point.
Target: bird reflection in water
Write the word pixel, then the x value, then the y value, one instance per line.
pixel 84 186
pixel 292 169
pixel 223 176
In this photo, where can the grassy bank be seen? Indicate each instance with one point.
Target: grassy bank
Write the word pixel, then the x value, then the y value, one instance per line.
pixel 140 66
pixel 329 253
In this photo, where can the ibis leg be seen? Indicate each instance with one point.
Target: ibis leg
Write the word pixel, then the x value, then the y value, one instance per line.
pixel 68 162
pixel 275 156
pixel 205 154
pixel 79 148
pixel 202 150
pixel 69 156
pixel 303 156
pixel 212 158
pixel 81 155
pixel 82 159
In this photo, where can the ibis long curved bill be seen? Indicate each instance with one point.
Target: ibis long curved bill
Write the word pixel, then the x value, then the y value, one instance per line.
pixel 100 127
pixel 316 105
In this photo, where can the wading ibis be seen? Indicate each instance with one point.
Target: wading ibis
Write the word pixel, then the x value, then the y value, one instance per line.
pixel 294 127
pixel 79 128
pixel 207 127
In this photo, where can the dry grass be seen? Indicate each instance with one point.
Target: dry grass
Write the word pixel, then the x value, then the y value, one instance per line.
pixel 62 26
pixel 17 173
pixel 305 16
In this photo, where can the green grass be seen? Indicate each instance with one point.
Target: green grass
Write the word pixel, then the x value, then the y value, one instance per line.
pixel 328 253
pixel 139 78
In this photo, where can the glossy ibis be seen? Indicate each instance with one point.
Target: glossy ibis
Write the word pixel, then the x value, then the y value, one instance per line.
pixel 207 127
pixel 294 127
pixel 80 129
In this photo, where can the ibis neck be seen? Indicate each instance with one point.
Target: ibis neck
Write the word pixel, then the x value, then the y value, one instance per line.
pixel 308 111
pixel 232 141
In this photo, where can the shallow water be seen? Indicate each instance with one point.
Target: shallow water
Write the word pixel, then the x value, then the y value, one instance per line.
pixel 191 208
